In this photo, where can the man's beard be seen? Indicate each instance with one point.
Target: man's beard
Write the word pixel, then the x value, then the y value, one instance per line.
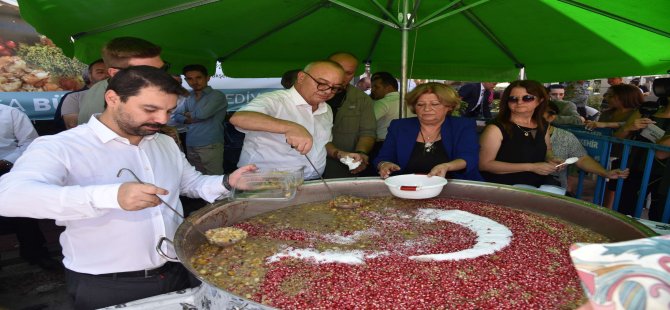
pixel 124 122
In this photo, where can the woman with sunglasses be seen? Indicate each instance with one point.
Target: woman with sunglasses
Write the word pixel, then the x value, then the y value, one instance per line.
pixel 433 142
pixel 515 148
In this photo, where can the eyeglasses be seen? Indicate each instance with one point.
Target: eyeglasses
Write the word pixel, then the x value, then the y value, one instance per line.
pixel 324 86
pixel 515 99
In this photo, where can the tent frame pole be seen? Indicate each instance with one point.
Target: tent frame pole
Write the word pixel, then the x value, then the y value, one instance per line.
pixel 403 58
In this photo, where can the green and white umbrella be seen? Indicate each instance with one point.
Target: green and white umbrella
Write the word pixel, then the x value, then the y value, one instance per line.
pixel 475 40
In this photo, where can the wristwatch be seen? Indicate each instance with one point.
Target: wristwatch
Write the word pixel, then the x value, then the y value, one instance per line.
pixel 225 182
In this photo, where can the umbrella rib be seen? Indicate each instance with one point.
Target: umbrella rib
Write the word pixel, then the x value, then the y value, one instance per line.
pixel 152 15
pixel 378 34
pixel 366 14
pixel 431 18
pixel 489 34
pixel 616 17
pixel 277 28
pixel 386 12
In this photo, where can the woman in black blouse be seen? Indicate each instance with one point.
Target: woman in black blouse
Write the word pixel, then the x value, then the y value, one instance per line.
pixel 514 149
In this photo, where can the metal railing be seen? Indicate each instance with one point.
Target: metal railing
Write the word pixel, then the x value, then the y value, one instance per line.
pixel 598 144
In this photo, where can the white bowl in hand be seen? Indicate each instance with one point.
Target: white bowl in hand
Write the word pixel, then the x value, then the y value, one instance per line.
pixel 415 186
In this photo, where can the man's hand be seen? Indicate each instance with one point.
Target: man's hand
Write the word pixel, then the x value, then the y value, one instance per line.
pixel 299 138
pixel 234 178
pixel 357 157
pixel 134 196
pixel 188 119
pixel 386 168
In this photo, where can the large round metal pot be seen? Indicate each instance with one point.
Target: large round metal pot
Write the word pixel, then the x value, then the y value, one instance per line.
pixel 226 213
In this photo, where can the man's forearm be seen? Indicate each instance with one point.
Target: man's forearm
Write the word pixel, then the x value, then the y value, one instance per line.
pixel 256 121
pixel 365 144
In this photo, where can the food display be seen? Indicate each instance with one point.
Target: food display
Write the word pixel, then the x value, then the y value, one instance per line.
pixel 391 253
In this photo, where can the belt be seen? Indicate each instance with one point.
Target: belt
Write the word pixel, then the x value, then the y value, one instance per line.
pixel 147 273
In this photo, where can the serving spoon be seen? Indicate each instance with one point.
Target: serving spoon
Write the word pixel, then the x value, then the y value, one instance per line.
pixel 568 161
pixel 211 238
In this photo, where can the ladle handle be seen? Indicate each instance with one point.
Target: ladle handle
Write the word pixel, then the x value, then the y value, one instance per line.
pixel 159 198
pixel 332 194
pixel 160 250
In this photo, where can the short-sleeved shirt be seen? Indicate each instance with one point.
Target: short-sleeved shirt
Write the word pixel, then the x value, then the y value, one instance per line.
pixel 564 145
pixel 270 150
pixel 72 102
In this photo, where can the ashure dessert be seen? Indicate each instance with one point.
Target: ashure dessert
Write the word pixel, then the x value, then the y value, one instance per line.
pixel 225 236
pixel 397 254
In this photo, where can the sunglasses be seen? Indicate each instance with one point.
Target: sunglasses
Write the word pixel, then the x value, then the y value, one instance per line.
pixel 515 99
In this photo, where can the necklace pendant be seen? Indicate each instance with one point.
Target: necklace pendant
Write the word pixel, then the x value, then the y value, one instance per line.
pixel 525 133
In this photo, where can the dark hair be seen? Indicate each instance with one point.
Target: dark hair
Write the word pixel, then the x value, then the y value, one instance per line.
pixel 556 86
pixel 90 66
pixel 130 81
pixel 386 78
pixel 630 96
pixel 195 67
pixel 118 51
pixel 532 87
pixel 289 77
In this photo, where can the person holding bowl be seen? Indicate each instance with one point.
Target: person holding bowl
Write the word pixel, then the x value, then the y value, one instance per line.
pixel 433 142
pixel 515 148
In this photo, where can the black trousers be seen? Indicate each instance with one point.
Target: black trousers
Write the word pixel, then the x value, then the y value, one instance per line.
pixel 98 291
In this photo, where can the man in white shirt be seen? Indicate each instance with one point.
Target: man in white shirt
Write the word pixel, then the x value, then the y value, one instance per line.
pixel 16 133
pixel 284 125
pixel 113 222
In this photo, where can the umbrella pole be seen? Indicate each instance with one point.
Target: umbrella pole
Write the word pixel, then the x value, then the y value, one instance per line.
pixel 403 59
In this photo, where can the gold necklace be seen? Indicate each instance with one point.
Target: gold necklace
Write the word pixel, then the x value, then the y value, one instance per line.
pixel 525 133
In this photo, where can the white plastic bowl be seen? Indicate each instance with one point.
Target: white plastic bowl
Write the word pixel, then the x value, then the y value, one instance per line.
pixel 415 186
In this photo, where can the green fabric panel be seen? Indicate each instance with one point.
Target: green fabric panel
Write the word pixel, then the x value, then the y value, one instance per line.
pixel 263 38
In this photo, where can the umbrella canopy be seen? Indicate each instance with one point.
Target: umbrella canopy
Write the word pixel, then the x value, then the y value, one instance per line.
pixel 476 40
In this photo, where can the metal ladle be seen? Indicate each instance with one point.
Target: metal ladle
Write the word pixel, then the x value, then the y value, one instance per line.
pixel 334 202
pixel 210 240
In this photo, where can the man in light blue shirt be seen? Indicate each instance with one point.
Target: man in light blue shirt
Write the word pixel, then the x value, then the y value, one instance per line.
pixel 204 111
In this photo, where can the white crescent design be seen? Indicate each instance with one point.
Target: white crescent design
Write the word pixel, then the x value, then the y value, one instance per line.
pixel 491 237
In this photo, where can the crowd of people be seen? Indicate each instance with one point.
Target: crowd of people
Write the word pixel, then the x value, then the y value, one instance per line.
pixel 120 122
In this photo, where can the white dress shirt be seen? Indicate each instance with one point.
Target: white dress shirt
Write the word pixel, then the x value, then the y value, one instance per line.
pixel 72 177
pixel 16 133
pixel 270 150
